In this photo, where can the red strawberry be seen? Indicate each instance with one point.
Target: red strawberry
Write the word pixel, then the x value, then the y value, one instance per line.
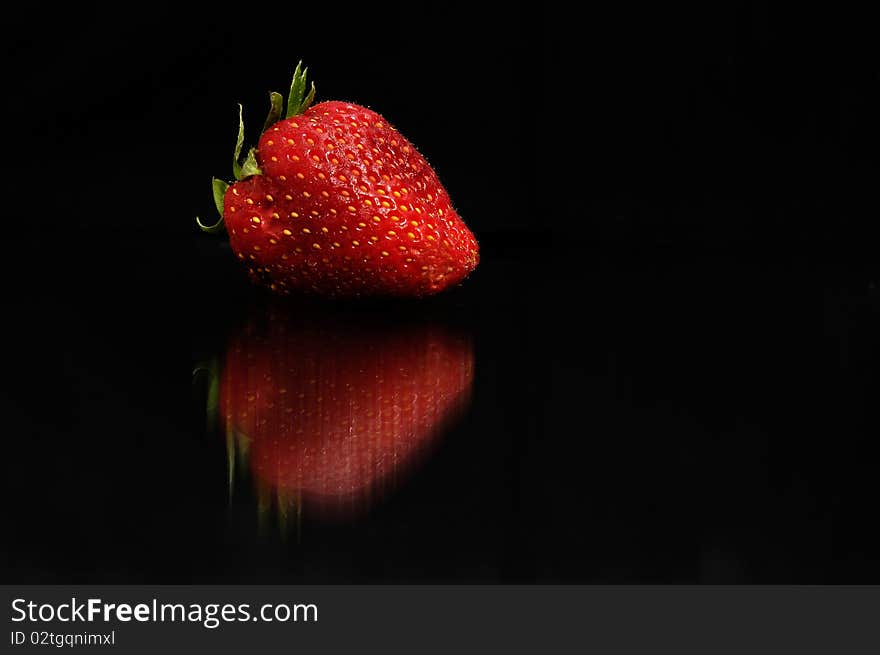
pixel 335 201
pixel 331 409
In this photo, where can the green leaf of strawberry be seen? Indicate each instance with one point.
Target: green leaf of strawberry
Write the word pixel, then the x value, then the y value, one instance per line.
pixel 298 100
pixel 239 142
pixel 219 187
pixel 334 201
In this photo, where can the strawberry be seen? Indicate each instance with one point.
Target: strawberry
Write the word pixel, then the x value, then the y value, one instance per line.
pixel 334 201
pixel 328 411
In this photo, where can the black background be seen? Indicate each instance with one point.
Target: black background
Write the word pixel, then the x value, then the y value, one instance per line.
pixel 675 315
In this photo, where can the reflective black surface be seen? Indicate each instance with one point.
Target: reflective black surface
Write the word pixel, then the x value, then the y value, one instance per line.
pixel 632 417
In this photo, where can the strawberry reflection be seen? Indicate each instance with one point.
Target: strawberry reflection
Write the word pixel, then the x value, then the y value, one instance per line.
pixel 328 409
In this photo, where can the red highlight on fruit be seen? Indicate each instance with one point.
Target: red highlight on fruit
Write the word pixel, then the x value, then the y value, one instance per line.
pixel 327 412
pixel 334 201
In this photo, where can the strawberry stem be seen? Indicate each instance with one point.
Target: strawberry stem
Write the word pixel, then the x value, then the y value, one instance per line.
pixel 298 100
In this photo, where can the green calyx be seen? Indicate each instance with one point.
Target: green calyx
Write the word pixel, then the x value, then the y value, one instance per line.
pixel 219 187
pixel 299 98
